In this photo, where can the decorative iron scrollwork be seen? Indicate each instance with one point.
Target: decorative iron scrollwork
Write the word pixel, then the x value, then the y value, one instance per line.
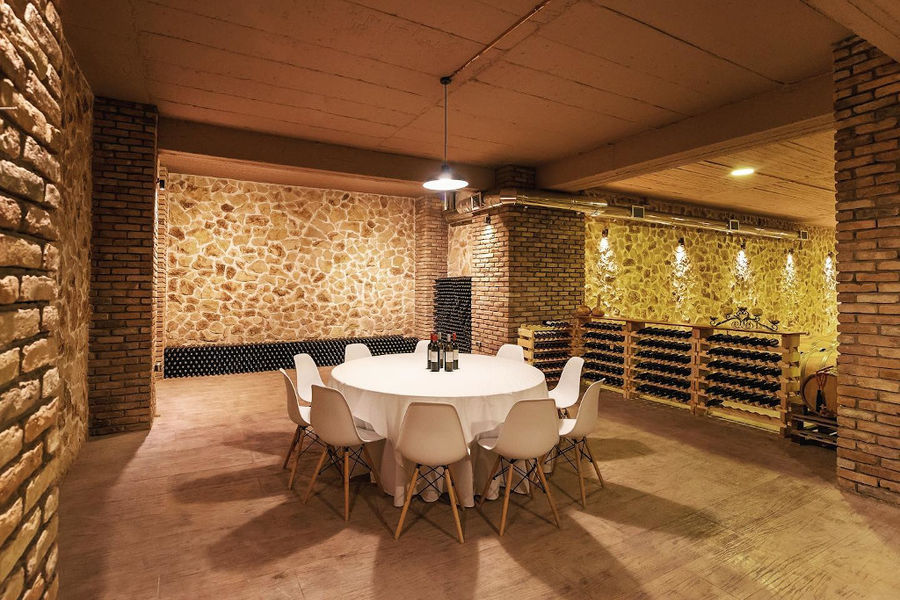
pixel 745 319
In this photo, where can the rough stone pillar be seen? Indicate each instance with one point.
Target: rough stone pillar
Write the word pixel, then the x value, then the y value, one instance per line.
pixel 867 154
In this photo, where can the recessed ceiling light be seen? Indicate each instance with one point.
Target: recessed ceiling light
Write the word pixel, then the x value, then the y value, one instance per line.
pixel 743 171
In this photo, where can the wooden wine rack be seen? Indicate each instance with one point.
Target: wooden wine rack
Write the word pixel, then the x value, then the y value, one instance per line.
pixel 675 364
pixel 551 358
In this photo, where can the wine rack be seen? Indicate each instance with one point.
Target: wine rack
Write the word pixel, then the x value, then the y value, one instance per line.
pixel 194 361
pixel 749 377
pixel 663 364
pixel 601 343
pixel 453 309
pixel 547 346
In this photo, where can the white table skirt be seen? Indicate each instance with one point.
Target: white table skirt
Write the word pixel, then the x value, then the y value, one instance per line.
pixel 380 388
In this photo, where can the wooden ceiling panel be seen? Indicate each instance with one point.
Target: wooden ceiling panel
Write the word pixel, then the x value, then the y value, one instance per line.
pixel 794 179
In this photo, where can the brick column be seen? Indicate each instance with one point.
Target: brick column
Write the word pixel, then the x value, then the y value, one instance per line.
pixel 431 260
pixel 120 364
pixel 527 266
pixel 867 152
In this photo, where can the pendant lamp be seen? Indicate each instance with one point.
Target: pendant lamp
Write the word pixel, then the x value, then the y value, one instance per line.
pixel 445 181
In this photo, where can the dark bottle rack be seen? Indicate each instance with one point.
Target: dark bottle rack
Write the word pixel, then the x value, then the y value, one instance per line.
pixel 662 367
pixel 453 309
pixel 193 361
pixel 602 345
pixel 664 392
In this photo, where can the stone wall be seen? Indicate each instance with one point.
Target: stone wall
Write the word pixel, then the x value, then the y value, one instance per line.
pixel 254 262
pixel 638 270
pixel 867 152
pixel 73 224
pixel 44 171
pixel 460 241
pixel 124 194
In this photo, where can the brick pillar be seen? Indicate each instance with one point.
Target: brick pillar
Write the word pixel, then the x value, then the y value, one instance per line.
pixel 119 368
pixel 431 260
pixel 867 153
pixel 527 266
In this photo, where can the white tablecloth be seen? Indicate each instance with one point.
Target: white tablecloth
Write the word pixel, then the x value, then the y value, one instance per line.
pixel 380 388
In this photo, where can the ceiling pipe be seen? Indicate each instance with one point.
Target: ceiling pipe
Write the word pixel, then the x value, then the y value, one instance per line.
pixel 598 208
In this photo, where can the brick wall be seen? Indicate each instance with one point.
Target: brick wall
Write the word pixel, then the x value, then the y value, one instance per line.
pixel 124 183
pixel 527 266
pixel 867 152
pixel 43 152
pixel 431 260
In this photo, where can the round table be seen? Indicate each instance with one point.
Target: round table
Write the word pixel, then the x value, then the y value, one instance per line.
pixel 380 388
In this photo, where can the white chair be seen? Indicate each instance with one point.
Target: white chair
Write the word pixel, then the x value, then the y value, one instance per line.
pixel 298 410
pixel 354 351
pixel 511 352
pixel 307 376
pixel 431 435
pixel 529 432
pixel 573 435
pixel 342 439
pixel 565 394
pixel 422 346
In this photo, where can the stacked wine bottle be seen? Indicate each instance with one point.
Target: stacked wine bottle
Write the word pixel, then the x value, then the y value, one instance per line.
pixel 548 346
pixel 453 309
pixel 662 363
pixel 604 352
pixel 743 369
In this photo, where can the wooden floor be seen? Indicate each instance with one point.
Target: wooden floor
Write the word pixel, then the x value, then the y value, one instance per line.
pixel 692 509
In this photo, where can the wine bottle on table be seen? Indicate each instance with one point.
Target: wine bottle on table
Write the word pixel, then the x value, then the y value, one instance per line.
pixel 434 354
pixel 448 354
pixel 455 353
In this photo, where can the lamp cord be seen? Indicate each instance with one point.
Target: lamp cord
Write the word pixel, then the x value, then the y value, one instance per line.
pixel 445 119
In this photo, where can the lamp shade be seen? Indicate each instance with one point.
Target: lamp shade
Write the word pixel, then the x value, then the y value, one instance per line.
pixel 445 181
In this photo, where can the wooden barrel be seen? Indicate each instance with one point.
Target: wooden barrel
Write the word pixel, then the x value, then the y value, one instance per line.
pixel 810 362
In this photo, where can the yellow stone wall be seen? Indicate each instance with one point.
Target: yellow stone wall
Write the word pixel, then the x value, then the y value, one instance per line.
pixel 253 262
pixel 459 250
pixel 638 271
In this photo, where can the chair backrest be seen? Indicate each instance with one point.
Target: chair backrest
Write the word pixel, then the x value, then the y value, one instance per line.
pixel 530 430
pixel 431 434
pixel 307 376
pixel 586 419
pixel 511 351
pixel 290 392
pixel 570 381
pixel 422 347
pixel 331 417
pixel 354 351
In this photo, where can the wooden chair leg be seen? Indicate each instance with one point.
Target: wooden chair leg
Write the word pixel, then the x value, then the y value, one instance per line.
pixel 410 490
pixel 346 484
pixel 315 476
pixel 509 474
pixel 540 473
pixel 487 484
pixel 371 466
pixel 450 491
pixel 593 461
pixel 579 469
pixel 290 451
pixel 296 459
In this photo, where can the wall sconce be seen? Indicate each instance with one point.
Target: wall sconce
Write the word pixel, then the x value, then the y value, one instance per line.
pixel 681 241
pixel 161 183
pixel 743 244
pixel 487 219
pixel 605 232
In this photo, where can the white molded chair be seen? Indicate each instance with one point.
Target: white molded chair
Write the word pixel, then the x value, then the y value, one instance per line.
pixel 565 394
pixel 354 351
pixel 529 432
pixel 511 352
pixel 573 435
pixel 298 410
pixel 342 439
pixel 422 346
pixel 307 376
pixel 431 435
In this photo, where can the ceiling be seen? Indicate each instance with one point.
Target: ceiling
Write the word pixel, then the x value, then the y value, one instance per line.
pixel 793 179
pixel 365 73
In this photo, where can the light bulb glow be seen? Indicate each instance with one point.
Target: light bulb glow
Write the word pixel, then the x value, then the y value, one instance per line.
pixel 743 171
pixel 445 182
